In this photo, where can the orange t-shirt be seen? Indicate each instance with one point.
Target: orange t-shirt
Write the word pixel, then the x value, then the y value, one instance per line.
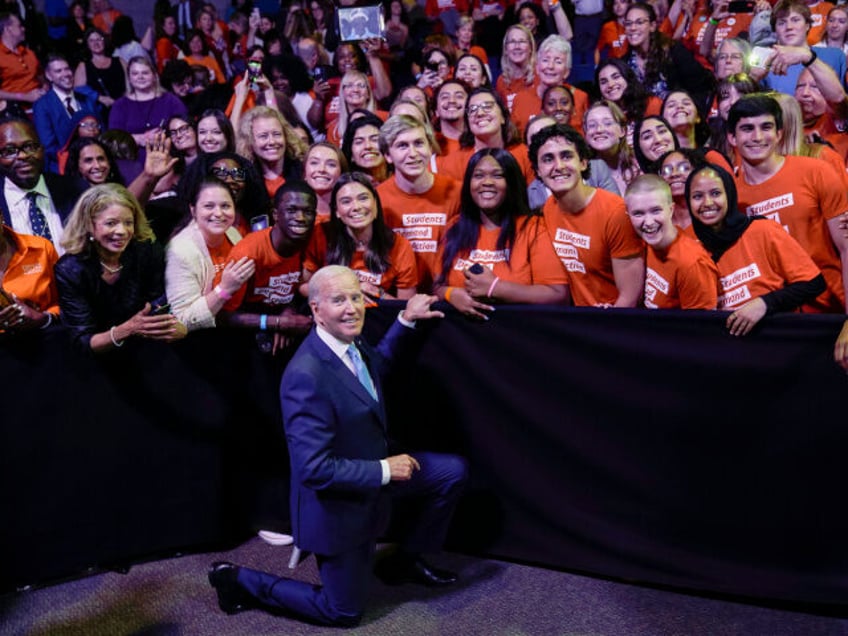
pixel 508 89
pixel 612 41
pixel 587 241
pixel 29 274
pixel 818 13
pixel 454 165
pixel 447 145
pixel 276 279
pixel 764 259
pixel 422 219
pixel 527 103
pixel 682 277
pixel 272 185
pixel 401 273
pixel 531 261
pixel 220 255
pixel 166 51
pixel 802 196
pixel 728 27
pixel 335 136
pixel 209 62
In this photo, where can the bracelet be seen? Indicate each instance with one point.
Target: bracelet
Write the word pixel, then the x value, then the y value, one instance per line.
pixel 492 286
pixel 448 293
pixel 222 293
pixel 49 321
pixel 714 22
pixel 114 339
pixel 263 322
pixel 812 59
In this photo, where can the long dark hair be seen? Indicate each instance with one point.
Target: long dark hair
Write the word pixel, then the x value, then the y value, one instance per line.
pixel 644 163
pixel 634 99
pixel 341 246
pixel 76 147
pixel 462 237
pixel 223 123
pixel 367 119
pixel 658 46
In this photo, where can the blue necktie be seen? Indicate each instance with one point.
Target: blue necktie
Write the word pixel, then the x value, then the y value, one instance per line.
pixel 36 217
pixel 361 371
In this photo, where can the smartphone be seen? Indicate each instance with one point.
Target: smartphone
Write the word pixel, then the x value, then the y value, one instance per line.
pixel 760 56
pixel 476 268
pixel 318 74
pixel 254 70
pixel 160 306
pixel 741 6
pixel 432 66
pixel 259 222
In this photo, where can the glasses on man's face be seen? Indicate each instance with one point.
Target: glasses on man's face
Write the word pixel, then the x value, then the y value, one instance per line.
pixel 93 125
pixel 671 169
pixel 639 22
pixel 730 57
pixel 236 174
pixel 179 132
pixel 30 148
pixel 483 108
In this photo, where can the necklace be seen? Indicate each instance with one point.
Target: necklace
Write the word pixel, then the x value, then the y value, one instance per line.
pixel 111 270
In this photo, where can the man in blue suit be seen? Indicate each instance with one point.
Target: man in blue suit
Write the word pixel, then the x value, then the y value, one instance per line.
pixel 57 111
pixel 335 422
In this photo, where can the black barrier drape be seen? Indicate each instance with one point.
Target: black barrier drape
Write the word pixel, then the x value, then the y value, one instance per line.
pixel 644 445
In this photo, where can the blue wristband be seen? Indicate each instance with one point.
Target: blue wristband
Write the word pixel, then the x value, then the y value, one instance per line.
pixel 263 322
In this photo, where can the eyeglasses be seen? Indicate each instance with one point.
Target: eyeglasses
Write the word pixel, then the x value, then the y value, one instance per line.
pixel 684 167
pixel 638 22
pixel 179 132
pixel 484 108
pixel 724 57
pixel 89 124
pixel 9 152
pixel 360 85
pixel 236 174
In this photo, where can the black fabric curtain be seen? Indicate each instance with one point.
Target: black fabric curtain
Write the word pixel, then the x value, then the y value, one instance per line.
pixel 648 446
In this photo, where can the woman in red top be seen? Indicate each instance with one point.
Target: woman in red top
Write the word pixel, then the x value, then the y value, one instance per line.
pixel 357 236
pixel 497 251
pixel 762 270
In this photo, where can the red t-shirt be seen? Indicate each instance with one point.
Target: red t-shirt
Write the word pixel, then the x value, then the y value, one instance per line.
pixel 802 196
pixel 764 259
pixel 682 277
pixel 401 273
pixel 587 241
pixel 276 279
pixel 532 260
pixel 422 219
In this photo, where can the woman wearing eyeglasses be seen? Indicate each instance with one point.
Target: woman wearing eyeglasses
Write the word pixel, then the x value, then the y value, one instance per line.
pixel 487 125
pixel 84 125
pixel 675 168
pixel 661 64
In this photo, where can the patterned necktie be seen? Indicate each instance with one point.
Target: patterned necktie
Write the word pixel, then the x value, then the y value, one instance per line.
pixel 69 104
pixel 361 371
pixel 36 217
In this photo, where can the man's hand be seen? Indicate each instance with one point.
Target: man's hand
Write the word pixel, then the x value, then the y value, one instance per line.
pixel 418 308
pixel 401 467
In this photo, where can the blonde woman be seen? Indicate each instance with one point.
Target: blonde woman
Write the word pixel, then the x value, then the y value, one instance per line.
pixel 518 63
pixel 270 142
pixel 146 107
pixel 355 93
pixel 112 273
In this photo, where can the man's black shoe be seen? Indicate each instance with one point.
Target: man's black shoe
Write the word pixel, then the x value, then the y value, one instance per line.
pixel 232 599
pixel 395 571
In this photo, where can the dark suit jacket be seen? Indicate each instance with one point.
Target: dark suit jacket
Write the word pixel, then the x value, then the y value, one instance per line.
pixel 54 125
pixel 63 190
pixel 336 436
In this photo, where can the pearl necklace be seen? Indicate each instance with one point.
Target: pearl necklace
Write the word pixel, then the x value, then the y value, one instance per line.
pixel 111 270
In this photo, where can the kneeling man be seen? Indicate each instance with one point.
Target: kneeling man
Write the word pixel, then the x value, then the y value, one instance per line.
pixel 335 421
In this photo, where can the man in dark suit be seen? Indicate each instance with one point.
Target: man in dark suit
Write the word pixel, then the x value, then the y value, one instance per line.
pixel 335 421
pixel 54 112
pixel 31 201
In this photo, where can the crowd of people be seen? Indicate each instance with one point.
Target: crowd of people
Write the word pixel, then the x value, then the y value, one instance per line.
pixel 199 175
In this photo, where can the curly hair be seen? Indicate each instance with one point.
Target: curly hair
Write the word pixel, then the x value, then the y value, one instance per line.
pixel 80 225
pixel 295 146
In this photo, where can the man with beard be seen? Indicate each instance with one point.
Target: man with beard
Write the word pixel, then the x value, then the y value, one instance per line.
pixel 450 99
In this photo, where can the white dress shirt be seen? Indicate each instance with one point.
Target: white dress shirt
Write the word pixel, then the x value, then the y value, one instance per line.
pixel 16 199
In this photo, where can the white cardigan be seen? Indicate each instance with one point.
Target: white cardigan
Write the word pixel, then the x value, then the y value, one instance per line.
pixel 189 275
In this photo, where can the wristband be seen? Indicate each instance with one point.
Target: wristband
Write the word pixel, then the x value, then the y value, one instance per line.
pixel 222 293
pixel 492 286
pixel 50 321
pixel 812 59
pixel 448 293
pixel 714 22
pixel 263 322
pixel 114 339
